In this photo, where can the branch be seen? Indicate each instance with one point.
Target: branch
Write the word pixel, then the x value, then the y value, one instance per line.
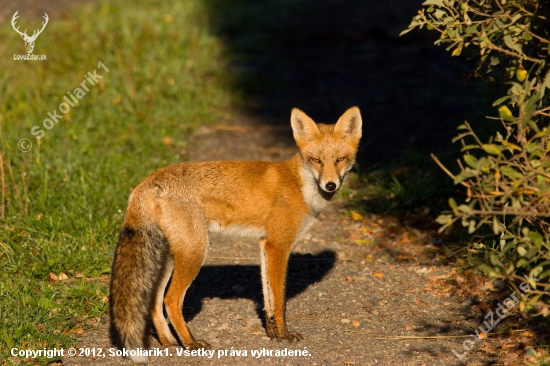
pixel 513 54
pixel 505 212
pixel 447 170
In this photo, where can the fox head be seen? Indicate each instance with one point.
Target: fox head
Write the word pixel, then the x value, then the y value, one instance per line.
pixel 328 151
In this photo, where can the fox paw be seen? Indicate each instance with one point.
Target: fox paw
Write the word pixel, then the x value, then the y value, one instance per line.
pixel 168 341
pixel 274 333
pixel 290 336
pixel 198 345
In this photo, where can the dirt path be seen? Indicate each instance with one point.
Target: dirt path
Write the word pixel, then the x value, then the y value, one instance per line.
pixel 351 283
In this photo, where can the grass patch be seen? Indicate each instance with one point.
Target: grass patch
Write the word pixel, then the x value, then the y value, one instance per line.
pixel 65 198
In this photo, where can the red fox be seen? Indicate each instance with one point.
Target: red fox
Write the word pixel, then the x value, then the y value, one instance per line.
pixel 169 216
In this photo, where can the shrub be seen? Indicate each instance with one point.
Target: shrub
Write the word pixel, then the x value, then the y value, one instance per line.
pixel 507 178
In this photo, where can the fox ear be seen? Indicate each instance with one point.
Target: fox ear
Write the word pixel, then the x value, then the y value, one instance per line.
pixel 303 127
pixel 349 125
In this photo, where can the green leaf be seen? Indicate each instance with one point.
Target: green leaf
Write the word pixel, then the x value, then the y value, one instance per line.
pixel 469 147
pixel 512 44
pixel 521 250
pixel 444 219
pixel 522 262
pixel 452 204
pixel 505 113
pixel 472 29
pixel 433 2
pixel 510 172
pixel 458 50
pixel 494 61
pixel 535 238
pixel 488 270
pixel 470 160
pixel 465 174
pixel 531 253
pixel 471 226
pixel 491 149
pixel 532 146
pixel 500 100
pixel 535 272
pixel 544 274
pixel 411 27
pixel 497 227
pixel 460 137
pixel 441 14
pixel 464 208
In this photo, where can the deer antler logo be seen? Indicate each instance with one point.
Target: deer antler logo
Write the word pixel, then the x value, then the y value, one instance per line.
pixel 29 40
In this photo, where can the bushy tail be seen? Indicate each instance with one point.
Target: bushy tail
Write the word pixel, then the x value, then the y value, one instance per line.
pixel 139 260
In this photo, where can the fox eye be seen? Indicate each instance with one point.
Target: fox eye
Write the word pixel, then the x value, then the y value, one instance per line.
pixel 315 160
pixel 342 158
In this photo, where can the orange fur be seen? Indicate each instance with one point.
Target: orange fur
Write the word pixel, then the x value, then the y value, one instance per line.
pixel 170 213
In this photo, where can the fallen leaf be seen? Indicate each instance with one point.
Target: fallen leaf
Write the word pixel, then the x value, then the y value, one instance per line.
pixel 52 277
pixel 401 170
pixel 356 216
pixel 528 334
pixel 355 323
pixel 167 140
pixel 78 331
pixel 404 239
pixel 488 285
pixel 410 327
pixel 378 274
pixel 349 279
pixel 62 276
pixel 391 267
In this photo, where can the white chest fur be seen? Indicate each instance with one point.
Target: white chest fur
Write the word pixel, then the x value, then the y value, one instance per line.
pixel 310 192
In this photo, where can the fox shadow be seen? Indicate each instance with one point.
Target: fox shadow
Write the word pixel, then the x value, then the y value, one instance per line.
pixel 244 281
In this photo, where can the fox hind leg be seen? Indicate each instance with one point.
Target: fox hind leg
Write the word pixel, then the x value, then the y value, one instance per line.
pixel 188 239
pixel 184 273
pixel 163 331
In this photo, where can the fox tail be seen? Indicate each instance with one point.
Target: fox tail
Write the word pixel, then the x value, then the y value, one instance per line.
pixel 139 260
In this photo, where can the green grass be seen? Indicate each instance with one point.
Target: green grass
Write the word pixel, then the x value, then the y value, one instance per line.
pixel 65 198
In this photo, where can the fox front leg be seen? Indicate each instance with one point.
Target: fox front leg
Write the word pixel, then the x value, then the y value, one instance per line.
pixel 274 266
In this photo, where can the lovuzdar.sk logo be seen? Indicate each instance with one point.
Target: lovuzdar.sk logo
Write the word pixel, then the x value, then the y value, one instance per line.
pixel 29 40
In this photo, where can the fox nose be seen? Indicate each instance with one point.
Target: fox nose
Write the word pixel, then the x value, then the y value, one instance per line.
pixel 330 186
